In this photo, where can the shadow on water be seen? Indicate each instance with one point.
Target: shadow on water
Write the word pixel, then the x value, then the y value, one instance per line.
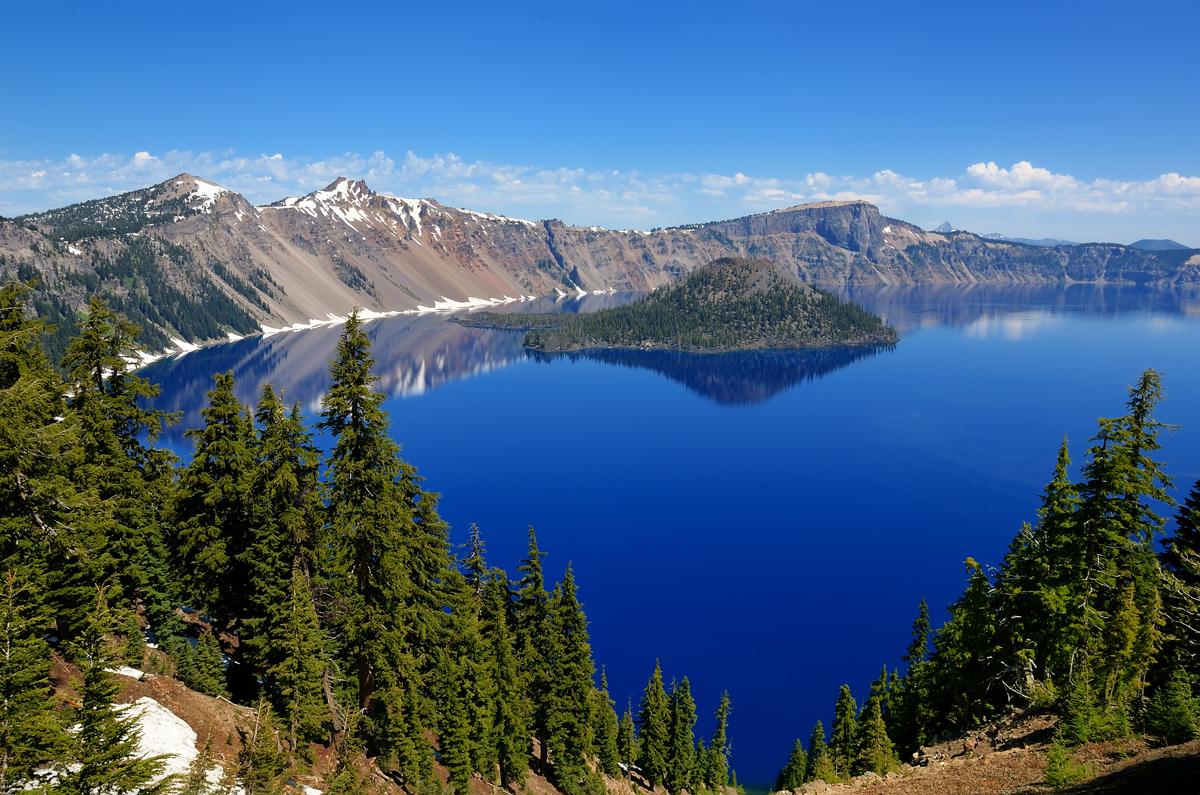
pixel 733 379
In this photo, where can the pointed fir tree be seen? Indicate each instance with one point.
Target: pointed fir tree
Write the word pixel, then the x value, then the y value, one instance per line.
pixel 284 521
pixel 627 744
pixel 572 671
pixel 820 763
pixel 262 760
pixel 606 730
pixel 843 743
pixel 212 509
pixel 792 776
pixel 1182 554
pixel 875 753
pixel 32 736
pixel 366 513
pixel 654 736
pixel 534 641
pixel 510 717
pixel 454 725
pixel 682 744
pixel 104 754
pixel 718 769
pixel 293 681
pixel 110 402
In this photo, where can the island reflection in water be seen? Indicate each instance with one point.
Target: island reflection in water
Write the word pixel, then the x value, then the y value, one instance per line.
pixel 735 378
pixel 416 354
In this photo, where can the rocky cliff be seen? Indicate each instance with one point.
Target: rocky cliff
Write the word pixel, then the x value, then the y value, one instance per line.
pixel 191 260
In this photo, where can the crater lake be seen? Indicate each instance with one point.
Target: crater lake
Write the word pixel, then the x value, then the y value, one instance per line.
pixel 762 522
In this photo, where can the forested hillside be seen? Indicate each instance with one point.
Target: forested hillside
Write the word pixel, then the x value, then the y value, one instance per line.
pixel 317 589
pixel 1091 617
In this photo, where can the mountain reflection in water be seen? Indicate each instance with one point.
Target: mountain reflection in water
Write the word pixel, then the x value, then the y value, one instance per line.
pixel 415 354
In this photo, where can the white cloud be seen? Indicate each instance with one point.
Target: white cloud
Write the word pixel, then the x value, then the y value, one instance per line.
pixel 611 196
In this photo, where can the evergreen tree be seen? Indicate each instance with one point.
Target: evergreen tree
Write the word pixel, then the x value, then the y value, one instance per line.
pixel 208 666
pixel 104 748
pixel 108 400
pixel 262 759
pixel 627 744
pixel 509 720
pixel 682 743
pixel 843 744
pixel 718 769
pixel 367 512
pixel 820 763
pixel 454 726
pixel 875 751
pixel 534 640
pixel 1182 554
pixel 294 679
pixel 213 506
pixel 32 736
pixel 605 730
pixel 654 737
pixel 792 776
pixel 569 720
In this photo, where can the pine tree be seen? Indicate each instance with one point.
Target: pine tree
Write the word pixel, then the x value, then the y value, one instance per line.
pixel 533 641
pixel 875 751
pixel 718 770
pixel 627 744
pixel 454 725
pixel 32 736
pixel 294 679
pixel 843 744
pixel 109 402
pixel 213 506
pixel 366 513
pixel 682 743
pixel 654 737
pixel 820 763
pixel 569 720
pixel 262 759
pixel 509 721
pixel 208 666
pixel 1182 554
pixel 605 729
pixel 105 744
pixel 792 776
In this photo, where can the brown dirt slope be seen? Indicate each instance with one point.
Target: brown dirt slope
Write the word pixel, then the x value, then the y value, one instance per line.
pixel 1009 758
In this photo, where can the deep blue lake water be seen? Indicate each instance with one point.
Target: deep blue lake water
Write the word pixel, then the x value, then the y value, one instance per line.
pixel 764 524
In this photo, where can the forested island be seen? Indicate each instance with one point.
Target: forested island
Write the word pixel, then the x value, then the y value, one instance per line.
pixel 311 598
pixel 730 304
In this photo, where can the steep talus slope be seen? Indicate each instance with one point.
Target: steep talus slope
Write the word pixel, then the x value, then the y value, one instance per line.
pixel 189 259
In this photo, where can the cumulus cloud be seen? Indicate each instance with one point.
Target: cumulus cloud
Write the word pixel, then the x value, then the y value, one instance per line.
pixel 611 196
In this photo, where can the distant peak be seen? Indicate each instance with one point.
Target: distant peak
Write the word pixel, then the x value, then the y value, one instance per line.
pixel 347 188
pixel 945 228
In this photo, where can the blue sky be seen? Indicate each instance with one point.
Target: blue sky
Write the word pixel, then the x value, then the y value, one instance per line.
pixel 1077 120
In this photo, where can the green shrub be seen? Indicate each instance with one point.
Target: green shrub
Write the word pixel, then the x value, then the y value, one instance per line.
pixel 1062 769
pixel 1173 714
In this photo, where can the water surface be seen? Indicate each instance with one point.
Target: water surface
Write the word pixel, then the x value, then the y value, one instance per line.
pixel 761 522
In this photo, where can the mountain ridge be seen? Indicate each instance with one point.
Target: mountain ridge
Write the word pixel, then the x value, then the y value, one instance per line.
pixel 190 259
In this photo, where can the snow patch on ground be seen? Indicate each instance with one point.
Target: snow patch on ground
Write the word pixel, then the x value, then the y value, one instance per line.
pixel 125 670
pixel 163 732
pixel 74 250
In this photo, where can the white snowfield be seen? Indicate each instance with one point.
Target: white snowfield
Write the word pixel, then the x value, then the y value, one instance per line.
pixel 164 733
